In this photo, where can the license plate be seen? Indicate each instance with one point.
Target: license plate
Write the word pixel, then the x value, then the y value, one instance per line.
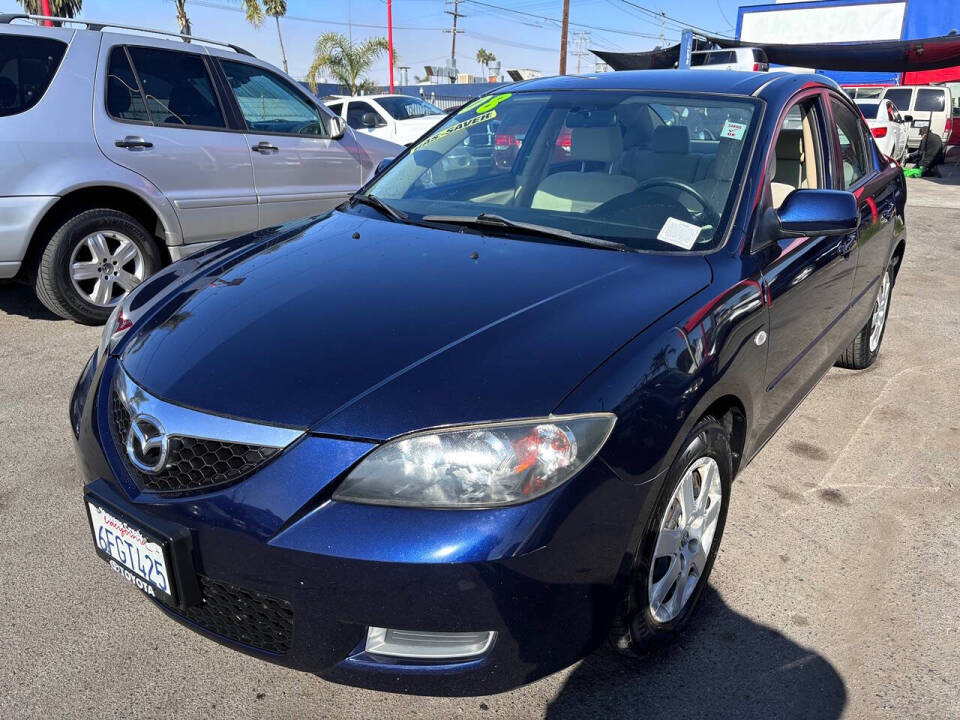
pixel 921 123
pixel 134 554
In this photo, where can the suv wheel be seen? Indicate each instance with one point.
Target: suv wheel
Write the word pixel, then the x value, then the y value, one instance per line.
pixel 680 544
pixel 93 259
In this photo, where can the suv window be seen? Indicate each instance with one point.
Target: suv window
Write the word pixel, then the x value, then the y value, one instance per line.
pixel 900 98
pixel 715 57
pixel 177 88
pixel 269 104
pixel 853 152
pixel 336 108
pixel 930 100
pixel 124 100
pixel 27 65
pixel 355 112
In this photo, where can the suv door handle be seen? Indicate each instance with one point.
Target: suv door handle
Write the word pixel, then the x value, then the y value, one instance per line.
pixel 133 142
pixel 264 147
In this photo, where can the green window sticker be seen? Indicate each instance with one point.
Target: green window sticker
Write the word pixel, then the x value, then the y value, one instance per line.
pixel 460 126
pixel 491 103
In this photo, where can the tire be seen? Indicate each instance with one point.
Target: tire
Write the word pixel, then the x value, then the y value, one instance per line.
pixel 66 291
pixel 640 626
pixel 862 352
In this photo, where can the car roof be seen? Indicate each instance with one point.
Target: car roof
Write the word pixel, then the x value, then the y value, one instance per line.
pixel 729 82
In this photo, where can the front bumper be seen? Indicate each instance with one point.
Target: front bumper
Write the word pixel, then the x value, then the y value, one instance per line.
pixel 546 576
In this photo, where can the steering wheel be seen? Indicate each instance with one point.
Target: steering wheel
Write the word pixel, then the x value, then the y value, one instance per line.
pixel 711 216
pixel 702 133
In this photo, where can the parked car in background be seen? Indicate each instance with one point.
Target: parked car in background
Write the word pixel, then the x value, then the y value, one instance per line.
pixel 457 433
pixel 864 92
pixel 120 153
pixel 397 118
pixel 887 126
pixel 743 58
pixel 923 106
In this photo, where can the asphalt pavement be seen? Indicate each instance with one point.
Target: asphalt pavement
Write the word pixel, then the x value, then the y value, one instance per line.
pixel 836 592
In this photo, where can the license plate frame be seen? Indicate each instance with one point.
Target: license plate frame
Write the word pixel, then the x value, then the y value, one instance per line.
pixel 129 571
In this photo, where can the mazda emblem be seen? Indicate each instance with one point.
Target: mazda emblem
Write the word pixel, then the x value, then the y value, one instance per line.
pixel 147 444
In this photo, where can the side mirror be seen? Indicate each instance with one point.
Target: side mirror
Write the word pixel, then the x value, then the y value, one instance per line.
pixel 907 118
pixel 383 165
pixel 338 127
pixel 371 120
pixel 818 212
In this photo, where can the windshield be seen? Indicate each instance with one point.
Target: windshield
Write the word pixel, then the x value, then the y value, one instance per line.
pixel 650 171
pixel 401 107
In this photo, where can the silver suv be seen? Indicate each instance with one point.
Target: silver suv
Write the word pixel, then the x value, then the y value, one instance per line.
pixel 122 152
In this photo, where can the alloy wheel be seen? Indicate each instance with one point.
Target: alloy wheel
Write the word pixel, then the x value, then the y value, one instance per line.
pixel 106 265
pixel 879 312
pixel 684 539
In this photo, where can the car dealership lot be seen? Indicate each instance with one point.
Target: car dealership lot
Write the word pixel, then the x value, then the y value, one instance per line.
pixel 835 592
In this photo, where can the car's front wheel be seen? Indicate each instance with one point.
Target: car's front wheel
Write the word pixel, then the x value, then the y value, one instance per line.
pixel 677 550
pixel 92 260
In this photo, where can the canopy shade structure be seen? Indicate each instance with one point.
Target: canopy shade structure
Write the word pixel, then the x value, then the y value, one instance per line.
pixel 878 56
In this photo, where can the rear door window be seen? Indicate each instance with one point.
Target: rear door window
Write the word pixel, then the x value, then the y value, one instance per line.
pixel 900 97
pixel 853 152
pixel 124 100
pixel 930 100
pixel 177 88
pixel 27 65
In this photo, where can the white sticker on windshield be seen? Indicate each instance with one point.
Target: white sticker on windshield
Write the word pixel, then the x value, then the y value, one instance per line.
pixel 733 130
pixel 679 233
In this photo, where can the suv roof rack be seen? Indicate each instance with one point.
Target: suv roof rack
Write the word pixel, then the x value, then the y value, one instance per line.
pixel 7 18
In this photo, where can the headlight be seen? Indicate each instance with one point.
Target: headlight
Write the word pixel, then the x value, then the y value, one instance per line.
pixel 117 325
pixel 478 465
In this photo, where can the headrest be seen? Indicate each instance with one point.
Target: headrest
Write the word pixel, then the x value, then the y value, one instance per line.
pixel 118 96
pixel 672 139
pixel 790 145
pixel 725 162
pixel 596 143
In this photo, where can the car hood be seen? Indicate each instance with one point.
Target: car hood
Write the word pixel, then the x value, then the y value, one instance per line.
pixel 366 328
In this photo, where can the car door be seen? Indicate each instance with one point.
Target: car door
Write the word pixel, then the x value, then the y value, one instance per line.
pixel 899 130
pixel 159 115
pixel 808 280
pixel 298 169
pixel 858 169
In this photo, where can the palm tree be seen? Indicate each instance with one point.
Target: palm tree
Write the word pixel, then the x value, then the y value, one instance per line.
pixel 345 61
pixel 182 20
pixel 276 8
pixel 59 8
pixel 485 57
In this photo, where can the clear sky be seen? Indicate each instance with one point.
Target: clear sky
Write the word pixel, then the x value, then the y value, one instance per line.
pixel 519 39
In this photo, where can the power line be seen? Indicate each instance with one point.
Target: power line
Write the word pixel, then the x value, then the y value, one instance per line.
pixel 317 21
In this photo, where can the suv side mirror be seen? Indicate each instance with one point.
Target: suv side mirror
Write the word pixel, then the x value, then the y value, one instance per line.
pixel 371 120
pixel 818 212
pixel 383 165
pixel 338 127
pixel 907 118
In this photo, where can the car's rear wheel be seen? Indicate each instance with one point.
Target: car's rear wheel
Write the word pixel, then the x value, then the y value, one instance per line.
pixel 91 261
pixel 680 544
pixel 863 351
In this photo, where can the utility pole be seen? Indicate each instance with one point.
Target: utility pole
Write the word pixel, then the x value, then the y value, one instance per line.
pixel 581 36
pixel 563 36
pixel 456 14
pixel 663 20
pixel 390 40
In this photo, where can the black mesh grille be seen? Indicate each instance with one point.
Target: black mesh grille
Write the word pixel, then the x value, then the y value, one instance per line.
pixel 193 464
pixel 245 616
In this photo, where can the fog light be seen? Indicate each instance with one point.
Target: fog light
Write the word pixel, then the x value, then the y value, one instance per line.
pixel 420 645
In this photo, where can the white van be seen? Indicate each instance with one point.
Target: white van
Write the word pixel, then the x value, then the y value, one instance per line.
pixel 923 106
pixel 743 58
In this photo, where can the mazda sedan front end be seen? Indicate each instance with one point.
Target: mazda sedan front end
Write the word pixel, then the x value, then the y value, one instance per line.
pixel 485 416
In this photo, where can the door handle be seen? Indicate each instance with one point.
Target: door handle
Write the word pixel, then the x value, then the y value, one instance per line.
pixel 133 142
pixel 264 147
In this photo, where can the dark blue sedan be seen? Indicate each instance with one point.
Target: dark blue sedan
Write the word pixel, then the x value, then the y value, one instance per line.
pixel 486 415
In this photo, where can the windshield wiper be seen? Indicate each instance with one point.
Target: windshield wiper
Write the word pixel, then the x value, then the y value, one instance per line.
pixel 498 221
pixel 378 204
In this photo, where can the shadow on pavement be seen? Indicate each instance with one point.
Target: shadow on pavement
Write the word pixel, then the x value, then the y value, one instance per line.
pixel 17 299
pixel 727 667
